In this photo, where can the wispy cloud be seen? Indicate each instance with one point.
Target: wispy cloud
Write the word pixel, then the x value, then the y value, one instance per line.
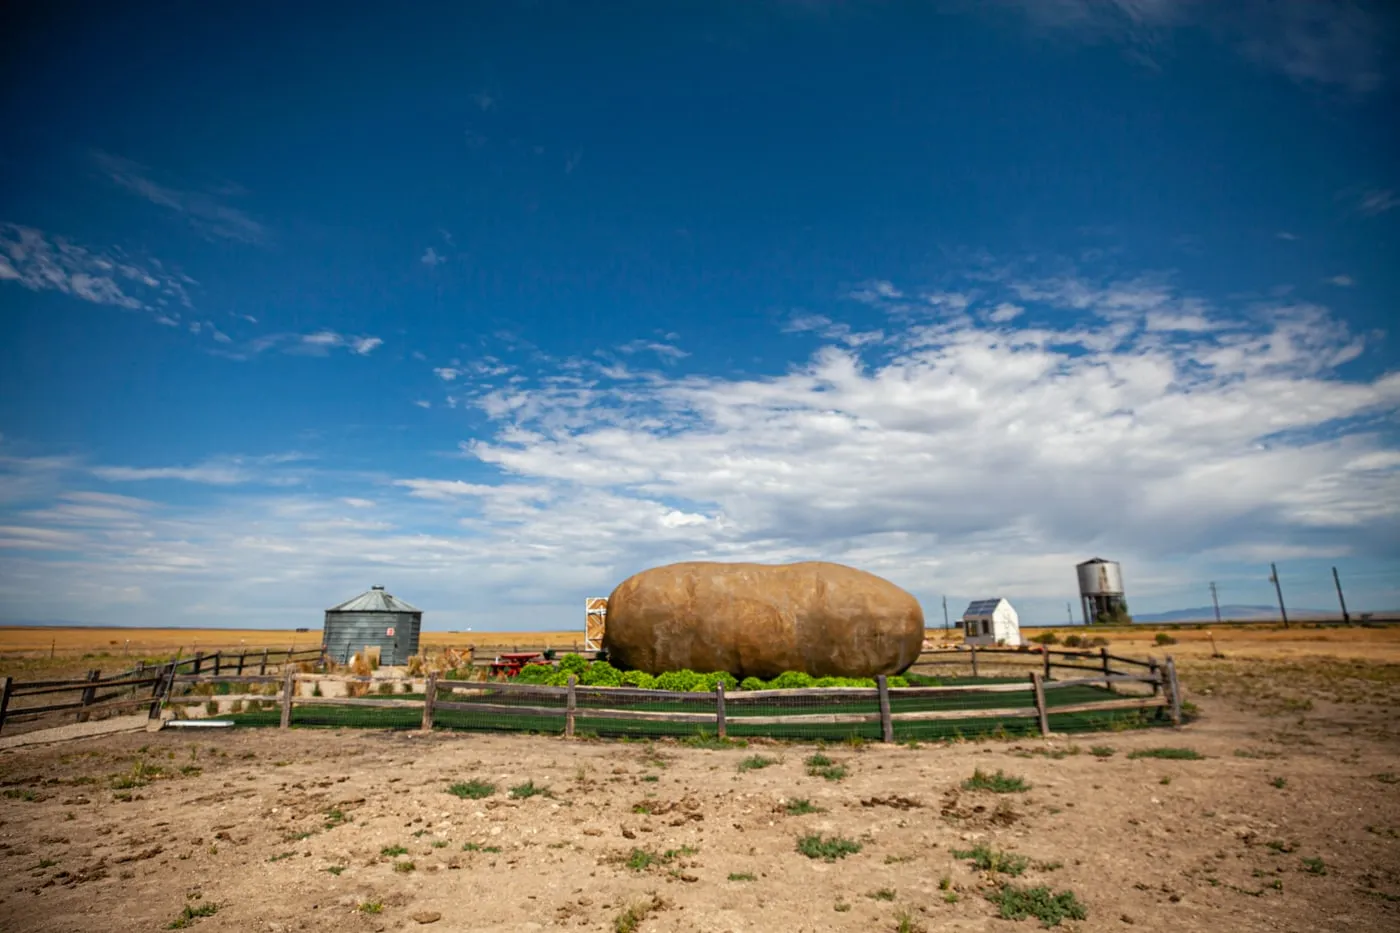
pixel 484 101
pixel 1377 201
pixel 447 373
pixel 1285 235
pixel 430 258
pixel 663 350
pixel 875 291
pixel 1328 44
pixel 30 258
pixel 203 209
pixel 227 471
pixel 316 343
pixel 1004 312
pixel 1342 281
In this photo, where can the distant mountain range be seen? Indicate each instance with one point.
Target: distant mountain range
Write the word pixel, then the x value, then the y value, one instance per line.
pixel 1236 612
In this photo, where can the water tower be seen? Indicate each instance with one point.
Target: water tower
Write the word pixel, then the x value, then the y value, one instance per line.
pixel 1101 591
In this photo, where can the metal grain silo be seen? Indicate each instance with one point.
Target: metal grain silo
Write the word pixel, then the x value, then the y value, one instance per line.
pixel 372 619
pixel 1101 591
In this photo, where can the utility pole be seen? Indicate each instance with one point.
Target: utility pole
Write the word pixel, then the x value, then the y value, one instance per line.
pixel 945 614
pixel 1273 578
pixel 1070 613
pixel 1346 617
pixel 1215 598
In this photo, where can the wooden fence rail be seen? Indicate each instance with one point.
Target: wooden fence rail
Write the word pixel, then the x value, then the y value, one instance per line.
pixel 717 710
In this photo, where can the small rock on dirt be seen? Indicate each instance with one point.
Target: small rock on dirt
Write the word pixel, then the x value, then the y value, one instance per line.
pixel 427 916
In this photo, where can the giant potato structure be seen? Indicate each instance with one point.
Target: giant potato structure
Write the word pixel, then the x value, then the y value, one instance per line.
pixel 759 620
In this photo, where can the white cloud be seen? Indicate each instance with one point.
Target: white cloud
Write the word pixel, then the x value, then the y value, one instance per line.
pixel 364 346
pixel 431 258
pixel 1285 235
pixel 663 350
pixel 211 474
pixel 423 403
pixel 447 373
pixel 1377 201
pixel 357 503
pixel 32 259
pixel 1004 312
pixel 204 209
pixel 1342 281
pixel 316 343
pixel 875 292
pixel 1312 43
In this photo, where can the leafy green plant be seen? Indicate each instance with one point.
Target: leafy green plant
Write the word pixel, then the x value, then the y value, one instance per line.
pixel 1315 865
pixel 391 851
pixel 631 918
pixel 639 679
pixel 1101 751
pixel 278 858
pixel 1175 754
pixel 404 868
pixel 709 740
pixel 472 790
pixel 829 850
pixel 742 876
pixel 21 793
pixel 883 894
pixel 906 922
pixel 1279 782
pixel 799 806
pixel 478 847
pixel 529 789
pixel 372 907
pixel 191 913
pixel 1162 638
pixel 1018 903
pixel 335 869
pixel 999 783
pixel 987 859
pixel 574 664
pixel 819 765
pixel 756 762
pixel 641 860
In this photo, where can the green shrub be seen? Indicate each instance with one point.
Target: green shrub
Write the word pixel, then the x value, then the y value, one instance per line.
pixel 730 682
pixel 535 674
pixel 558 679
pixel 1162 638
pixel 790 680
pixel 1046 638
pixel 678 681
pixel 639 679
pixel 1018 903
pixel 999 783
pixel 897 681
pixel 752 683
pixel 828 850
pixel 1075 641
pixel 601 674
pixel 573 664
pixel 987 859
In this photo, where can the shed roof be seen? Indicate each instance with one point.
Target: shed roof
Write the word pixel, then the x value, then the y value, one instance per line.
pixel 982 607
pixel 375 600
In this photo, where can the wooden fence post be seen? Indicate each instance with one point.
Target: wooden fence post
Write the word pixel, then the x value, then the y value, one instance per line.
pixel 1039 690
pixel 1108 684
pixel 218 662
pixel 5 688
pixel 974 661
pixel 198 661
pixel 882 685
pixel 1175 686
pixel 1046 656
pixel 429 701
pixel 289 686
pixel 570 705
pixel 241 655
pixel 262 668
pixel 721 727
pixel 1156 673
pixel 167 670
pixel 88 693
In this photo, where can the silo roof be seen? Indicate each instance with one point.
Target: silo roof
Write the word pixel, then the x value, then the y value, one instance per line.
pixel 374 600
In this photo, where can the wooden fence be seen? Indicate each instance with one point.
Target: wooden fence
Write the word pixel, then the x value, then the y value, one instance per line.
pixel 144 685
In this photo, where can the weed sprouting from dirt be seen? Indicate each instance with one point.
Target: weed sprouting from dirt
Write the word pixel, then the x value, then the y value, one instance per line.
pixel 709 740
pixel 987 859
pixel 191 913
pixel 884 894
pixel 1279 782
pixel 334 817
pixel 472 790
pixel 742 876
pixel 391 851
pixel 1174 754
pixel 372 907
pixel 1388 777
pixel 1018 903
pixel 756 762
pixel 906 922
pixel 818 765
pixel 404 868
pixel 828 850
pixel 1314 865
pixel 631 918
pixel 529 789
pixel 1101 751
pixel 999 783
pixel 336 869
pixel 641 860
pixel 478 847
pixel 800 806
pixel 21 793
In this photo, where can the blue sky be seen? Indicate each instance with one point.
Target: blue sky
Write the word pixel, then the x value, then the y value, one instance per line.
pixel 496 304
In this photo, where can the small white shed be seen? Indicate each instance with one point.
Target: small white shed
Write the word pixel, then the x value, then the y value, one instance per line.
pixel 991 622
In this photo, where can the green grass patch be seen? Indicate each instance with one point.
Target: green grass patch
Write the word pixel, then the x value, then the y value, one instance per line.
pixel 21 793
pixel 472 790
pixel 191 913
pixel 984 858
pixel 1279 782
pixel 828 850
pixel 1173 754
pixel 1101 751
pixel 404 868
pixel 478 847
pixel 1017 903
pixel 884 894
pixel 799 806
pixel 336 869
pixel 999 783
pixel 703 739
pixel 819 765
pixel 631 918
pixel 756 763
pixel 529 789
pixel 372 907
pixel 391 851
pixel 1314 865
pixel 742 876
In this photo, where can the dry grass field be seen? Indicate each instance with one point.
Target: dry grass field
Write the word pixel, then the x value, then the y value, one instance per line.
pixel 1289 819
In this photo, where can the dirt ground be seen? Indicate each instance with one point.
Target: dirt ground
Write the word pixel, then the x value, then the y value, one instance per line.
pixel 1291 821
